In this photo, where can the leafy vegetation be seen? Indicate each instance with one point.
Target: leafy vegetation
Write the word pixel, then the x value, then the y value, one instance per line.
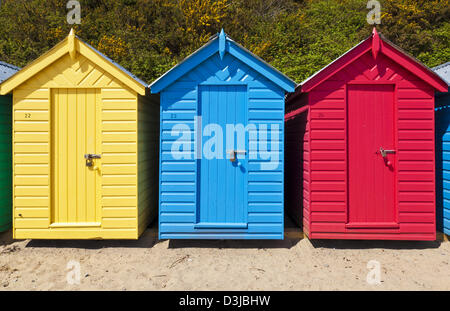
pixel 298 37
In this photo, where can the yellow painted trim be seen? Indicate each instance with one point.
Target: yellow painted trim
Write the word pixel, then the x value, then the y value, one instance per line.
pixel 139 230
pixel 76 234
pixel 112 69
pixel 76 225
pixel 36 66
pixel 72 45
pixel 50 142
pixel 14 95
pixel 62 49
pixel 98 147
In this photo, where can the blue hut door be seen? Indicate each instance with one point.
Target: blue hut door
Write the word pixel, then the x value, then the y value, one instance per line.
pixel 222 196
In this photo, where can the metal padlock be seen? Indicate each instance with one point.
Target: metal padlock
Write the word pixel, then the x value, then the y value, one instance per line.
pixel 90 159
pixel 234 153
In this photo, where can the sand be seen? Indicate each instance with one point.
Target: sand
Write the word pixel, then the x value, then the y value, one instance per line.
pixel 292 264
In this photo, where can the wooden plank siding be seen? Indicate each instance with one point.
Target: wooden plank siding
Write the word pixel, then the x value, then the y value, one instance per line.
pixel 31 160
pixel 443 162
pixel 32 152
pixel 119 154
pixel 328 175
pixel 148 159
pixel 178 177
pixel 297 159
pixel 5 162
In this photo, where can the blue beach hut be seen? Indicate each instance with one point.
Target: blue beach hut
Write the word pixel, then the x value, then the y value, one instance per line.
pixel 443 153
pixel 221 146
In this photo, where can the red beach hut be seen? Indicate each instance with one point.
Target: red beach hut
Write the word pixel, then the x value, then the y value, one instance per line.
pixel 361 132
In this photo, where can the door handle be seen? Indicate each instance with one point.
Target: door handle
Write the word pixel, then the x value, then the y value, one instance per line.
pixel 234 153
pixel 384 153
pixel 90 159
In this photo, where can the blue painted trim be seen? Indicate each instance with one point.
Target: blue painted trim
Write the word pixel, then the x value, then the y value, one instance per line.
pixel 442 132
pixel 247 157
pixel 161 139
pixel 198 147
pixel 260 66
pixel 222 42
pixel 184 67
pixel 216 236
pixel 227 83
pixel 283 167
pixel 234 49
pixel 212 225
pixel 180 216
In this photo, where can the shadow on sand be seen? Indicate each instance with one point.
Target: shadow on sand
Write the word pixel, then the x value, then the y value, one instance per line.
pixel 364 244
pixel 290 240
pixel 293 236
pixel 147 240
pixel 6 238
pixel 238 244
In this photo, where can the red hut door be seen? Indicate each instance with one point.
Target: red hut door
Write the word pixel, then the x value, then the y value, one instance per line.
pixel 371 156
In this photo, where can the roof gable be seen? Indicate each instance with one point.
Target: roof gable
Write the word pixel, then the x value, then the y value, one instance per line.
pixel 73 46
pixel 377 44
pixel 226 71
pixel 223 45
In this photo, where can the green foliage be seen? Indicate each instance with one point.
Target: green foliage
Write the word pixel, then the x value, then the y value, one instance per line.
pixel 298 37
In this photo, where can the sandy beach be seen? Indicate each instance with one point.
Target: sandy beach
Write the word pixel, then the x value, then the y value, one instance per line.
pixel 292 264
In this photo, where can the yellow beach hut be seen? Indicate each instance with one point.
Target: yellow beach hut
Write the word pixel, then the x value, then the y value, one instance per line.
pixel 85 147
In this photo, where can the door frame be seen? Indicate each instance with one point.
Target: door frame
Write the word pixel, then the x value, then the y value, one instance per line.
pixel 375 226
pixel 98 179
pixel 198 226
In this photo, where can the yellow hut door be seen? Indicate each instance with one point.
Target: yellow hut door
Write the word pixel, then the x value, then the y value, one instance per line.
pixel 76 156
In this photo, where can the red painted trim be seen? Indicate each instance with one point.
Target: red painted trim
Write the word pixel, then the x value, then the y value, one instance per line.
pixel 376 47
pixel 340 63
pixel 434 166
pixel 310 166
pixel 385 48
pixel 373 236
pixel 396 179
pixel 414 67
pixel 404 90
pixel 346 153
pixel 393 225
pixel 292 114
pixel 380 225
pixel 354 82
